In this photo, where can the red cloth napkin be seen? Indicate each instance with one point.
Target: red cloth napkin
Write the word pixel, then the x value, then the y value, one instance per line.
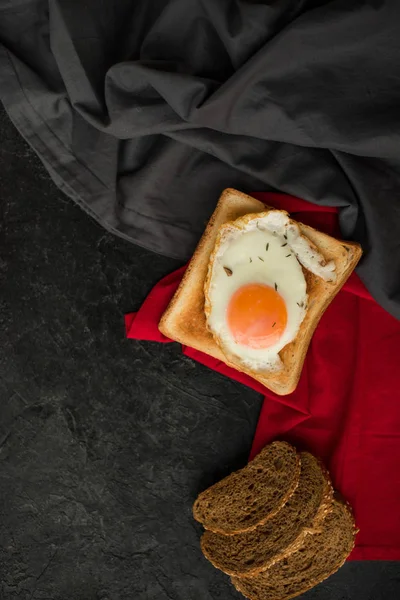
pixel 346 408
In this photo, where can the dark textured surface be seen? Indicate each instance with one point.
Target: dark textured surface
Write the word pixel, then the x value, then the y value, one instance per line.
pixel 104 443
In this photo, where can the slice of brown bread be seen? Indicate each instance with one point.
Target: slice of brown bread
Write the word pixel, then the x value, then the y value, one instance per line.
pixel 252 552
pixel 320 556
pixel 252 495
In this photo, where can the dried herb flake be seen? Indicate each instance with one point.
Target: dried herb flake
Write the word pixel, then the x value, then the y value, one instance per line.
pixel 228 271
pixel 261 258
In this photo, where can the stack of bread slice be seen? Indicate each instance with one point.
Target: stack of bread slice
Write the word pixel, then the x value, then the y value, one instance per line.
pixel 276 526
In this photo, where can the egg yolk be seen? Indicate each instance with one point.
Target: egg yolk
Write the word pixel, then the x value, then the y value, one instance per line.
pixel 256 315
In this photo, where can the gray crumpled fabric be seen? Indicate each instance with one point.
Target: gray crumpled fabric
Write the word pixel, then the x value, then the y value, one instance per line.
pixel 144 111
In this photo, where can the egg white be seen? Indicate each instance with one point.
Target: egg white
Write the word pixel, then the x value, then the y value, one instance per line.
pixel 247 257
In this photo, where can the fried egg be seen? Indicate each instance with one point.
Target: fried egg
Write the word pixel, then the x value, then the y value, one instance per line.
pixel 256 292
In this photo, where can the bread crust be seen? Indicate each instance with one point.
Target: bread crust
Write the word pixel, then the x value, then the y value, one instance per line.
pixel 324 509
pixel 289 493
pixel 312 583
pixel 185 322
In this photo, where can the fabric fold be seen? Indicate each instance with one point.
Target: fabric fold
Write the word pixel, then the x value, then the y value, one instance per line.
pixel 143 118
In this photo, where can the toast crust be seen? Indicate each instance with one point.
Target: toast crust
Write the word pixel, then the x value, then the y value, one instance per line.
pixel 185 322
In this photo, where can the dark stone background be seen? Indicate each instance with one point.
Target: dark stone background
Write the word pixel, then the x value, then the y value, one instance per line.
pixel 104 442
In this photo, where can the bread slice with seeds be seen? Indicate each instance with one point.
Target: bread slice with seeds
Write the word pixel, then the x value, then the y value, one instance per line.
pixel 251 496
pixel 252 552
pixel 321 555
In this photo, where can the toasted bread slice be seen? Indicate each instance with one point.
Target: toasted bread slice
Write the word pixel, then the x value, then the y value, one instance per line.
pixel 252 495
pixel 321 555
pixel 184 320
pixel 250 553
